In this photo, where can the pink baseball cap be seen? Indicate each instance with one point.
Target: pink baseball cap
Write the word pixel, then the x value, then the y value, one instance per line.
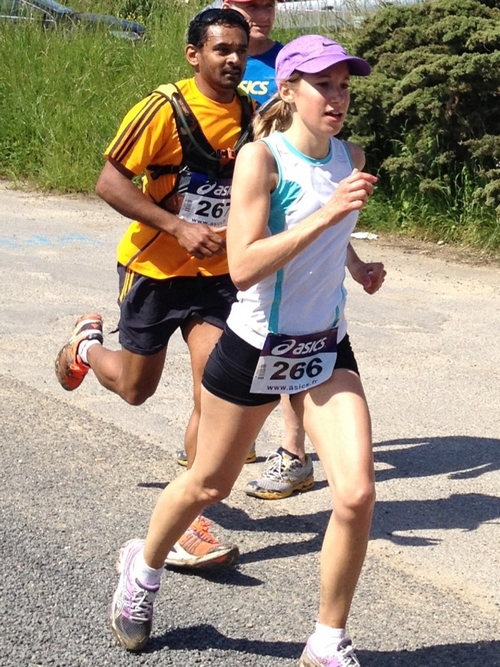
pixel 312 54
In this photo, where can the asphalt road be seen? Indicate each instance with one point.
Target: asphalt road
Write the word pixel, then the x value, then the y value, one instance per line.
pixel 81 471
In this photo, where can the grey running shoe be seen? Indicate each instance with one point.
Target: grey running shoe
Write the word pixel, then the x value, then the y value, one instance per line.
pixel 132 607
pixel 344 656
pixel 198 548
pixel 182 458
pixel 284 475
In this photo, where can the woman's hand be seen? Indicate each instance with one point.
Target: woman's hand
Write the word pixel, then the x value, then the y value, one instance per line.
pixel 351 195
pixel 370 275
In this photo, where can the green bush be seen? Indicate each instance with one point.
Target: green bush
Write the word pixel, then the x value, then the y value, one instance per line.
pixel 429 116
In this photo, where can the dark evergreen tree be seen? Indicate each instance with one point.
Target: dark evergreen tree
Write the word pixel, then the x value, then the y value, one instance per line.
pixel 429 116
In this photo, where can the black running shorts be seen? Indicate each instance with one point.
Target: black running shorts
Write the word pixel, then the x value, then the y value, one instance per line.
pixel 231 365
pixel 151 310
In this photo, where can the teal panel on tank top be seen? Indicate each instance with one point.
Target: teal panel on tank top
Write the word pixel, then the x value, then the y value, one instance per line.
pixel 282 198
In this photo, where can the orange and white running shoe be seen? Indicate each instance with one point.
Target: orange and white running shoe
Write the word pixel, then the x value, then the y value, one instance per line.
pixel 70 369
pixel 198 549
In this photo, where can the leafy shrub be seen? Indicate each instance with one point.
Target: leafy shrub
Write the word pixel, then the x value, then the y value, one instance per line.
pixel 429 116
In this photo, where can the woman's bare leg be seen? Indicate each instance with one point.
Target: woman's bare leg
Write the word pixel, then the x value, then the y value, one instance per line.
pixel 225 434
pixel 337 421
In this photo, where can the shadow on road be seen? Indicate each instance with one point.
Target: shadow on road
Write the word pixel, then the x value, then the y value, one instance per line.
pixel 231 577
pixel 203 636
pixel 459 456
pixel 465 512
pixel 470 655
pixel 461 511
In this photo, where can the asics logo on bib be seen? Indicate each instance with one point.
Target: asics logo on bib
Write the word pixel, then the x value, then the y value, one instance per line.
pixel 255 87
pixel 215 188
pixel 291 346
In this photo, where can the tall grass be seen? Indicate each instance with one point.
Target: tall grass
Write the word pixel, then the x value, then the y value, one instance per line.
pixel 63 94
pixel 437 218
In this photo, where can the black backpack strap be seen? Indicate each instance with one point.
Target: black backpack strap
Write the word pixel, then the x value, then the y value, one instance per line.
pixel 158 170
pixel 247 112
pixel 195 146
pixel 197 152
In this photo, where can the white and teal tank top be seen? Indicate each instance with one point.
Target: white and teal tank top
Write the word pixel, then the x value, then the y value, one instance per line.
pixel 307 295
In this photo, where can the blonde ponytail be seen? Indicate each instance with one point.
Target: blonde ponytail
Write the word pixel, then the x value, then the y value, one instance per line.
pixel 274 115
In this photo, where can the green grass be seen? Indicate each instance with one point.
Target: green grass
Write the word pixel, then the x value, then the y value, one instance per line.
pixel 63 95
pixel 471 225
pixel 436 214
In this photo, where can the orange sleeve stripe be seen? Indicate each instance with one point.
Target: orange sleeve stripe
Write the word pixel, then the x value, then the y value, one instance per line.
pixel 132 132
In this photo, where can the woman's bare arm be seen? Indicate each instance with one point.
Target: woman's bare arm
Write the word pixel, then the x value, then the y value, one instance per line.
pixel 253 254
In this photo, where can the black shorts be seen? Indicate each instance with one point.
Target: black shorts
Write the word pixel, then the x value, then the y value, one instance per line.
pixel 151 310
pixel 231 365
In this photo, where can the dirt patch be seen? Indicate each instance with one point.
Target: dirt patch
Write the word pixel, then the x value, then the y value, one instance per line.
pixel 445 252
pixel 406 244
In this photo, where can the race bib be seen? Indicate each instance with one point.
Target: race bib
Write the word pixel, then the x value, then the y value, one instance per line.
pixel 289 364
pixel 206 201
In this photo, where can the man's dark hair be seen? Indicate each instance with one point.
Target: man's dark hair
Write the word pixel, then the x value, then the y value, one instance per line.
pixel 197 30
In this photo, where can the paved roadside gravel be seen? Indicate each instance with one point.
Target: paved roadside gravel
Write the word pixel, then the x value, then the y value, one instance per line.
pixel 81 471
pixel 75 487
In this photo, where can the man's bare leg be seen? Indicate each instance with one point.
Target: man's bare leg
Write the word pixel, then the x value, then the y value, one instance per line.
pixel 134 377
pixel 201 338
pixel 294 435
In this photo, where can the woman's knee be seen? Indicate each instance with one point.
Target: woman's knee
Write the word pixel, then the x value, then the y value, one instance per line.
pixel 352 501
pixel 206 491
pixel 209 494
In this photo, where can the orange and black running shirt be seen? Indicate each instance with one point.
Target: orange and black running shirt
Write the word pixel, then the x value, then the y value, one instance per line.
pixel 148 136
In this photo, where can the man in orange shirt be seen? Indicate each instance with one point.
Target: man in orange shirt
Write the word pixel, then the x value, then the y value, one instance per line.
pixel 172 263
